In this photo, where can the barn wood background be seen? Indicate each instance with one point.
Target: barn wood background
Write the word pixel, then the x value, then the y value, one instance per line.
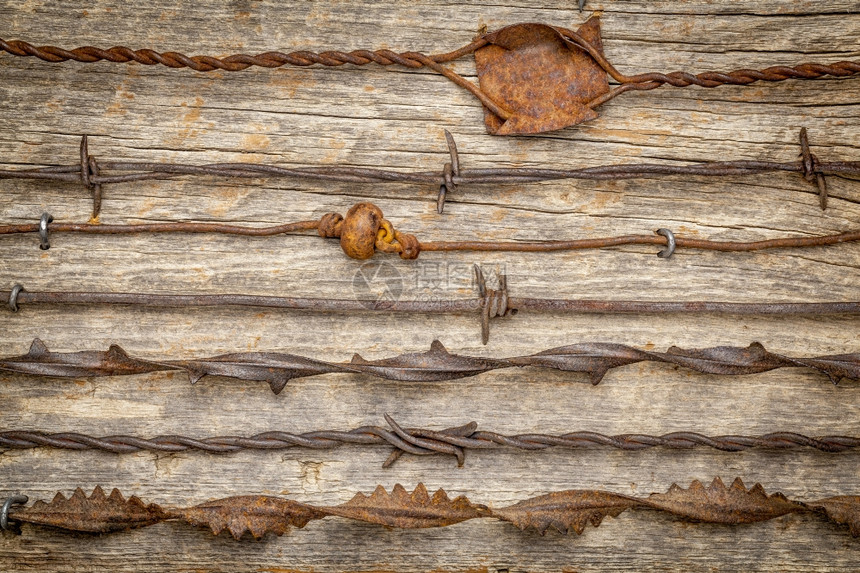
pixel 393 116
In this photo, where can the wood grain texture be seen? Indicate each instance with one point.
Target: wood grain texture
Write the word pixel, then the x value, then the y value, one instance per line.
pixel 377 116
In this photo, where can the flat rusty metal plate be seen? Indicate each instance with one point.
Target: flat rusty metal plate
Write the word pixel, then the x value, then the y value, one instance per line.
pixel 531 70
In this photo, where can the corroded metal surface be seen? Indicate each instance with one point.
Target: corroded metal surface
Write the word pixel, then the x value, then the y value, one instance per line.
pixel 564 511
pixel 530 70
pixel 95 514
pixel 277 369
pixel 533 77
pixel 421 441
pixel 91 173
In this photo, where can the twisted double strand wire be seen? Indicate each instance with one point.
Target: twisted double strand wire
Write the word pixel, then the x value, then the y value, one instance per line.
pixel 418 441
pixel 414 60
pixel 744 76
pixel 90 172
pixel 238 62
pixel 434 365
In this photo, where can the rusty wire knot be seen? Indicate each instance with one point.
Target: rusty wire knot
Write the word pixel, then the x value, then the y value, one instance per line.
pixel 389 240
pixel 89 171
pixel 812 171
pixel 364 231
pixel 449 171
pixel 494 303
pixel 330 225
pixel 427 442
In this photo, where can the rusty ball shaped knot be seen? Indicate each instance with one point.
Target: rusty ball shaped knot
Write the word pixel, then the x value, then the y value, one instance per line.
pixel 359 230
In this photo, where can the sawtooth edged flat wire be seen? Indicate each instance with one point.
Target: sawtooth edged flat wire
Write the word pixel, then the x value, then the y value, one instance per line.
pixel 568 511
pixel 419 441
pixel 91 172
pixel 532 77
pixel 437 364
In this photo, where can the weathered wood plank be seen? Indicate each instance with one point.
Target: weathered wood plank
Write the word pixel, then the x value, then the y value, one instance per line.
pixel 394 117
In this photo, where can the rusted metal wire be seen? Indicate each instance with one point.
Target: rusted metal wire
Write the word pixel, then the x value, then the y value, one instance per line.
pixel 564 511
pixel 490 303
pixel 92 172
pixel 418 441
pixel 532 78
pixel 364 230
pixel 437 364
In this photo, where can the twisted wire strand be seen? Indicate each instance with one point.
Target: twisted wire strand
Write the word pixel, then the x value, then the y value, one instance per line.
pixel 414 60
pixel 806 71
pixel 419 441
pixel 141 171
pixel 91 173
pixel 236 62
pixel 711 79
pixel 437 364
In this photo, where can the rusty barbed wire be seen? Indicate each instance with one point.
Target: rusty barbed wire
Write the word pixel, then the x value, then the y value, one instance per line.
pixel 437 364
pixel 564 511
pixel 532 78
pixel 91 172
pixel 364 230
pixel 418 441
pixel 490 303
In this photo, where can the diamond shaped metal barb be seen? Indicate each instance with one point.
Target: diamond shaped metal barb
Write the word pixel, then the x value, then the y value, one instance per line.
pixel 544 80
